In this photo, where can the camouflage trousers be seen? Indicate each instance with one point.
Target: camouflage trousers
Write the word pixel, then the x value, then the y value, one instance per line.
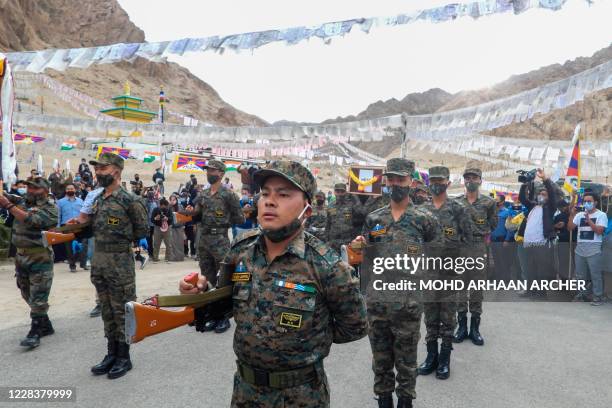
pixel 394 332
pixel 472 299
pixel 440 320
pixel 310 395
pixel 34 274
pixel 211 251
pixel 114 277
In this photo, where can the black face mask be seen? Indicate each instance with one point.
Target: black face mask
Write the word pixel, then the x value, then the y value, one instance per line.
pixel 70 193
pixel 212 179
pixel 136 178
pixel 399 193
pixel 340 199
pixel 105 180
pixel 32 198
pixel 320 201
pixel 419 200
pixel 437 189
pixel 282 233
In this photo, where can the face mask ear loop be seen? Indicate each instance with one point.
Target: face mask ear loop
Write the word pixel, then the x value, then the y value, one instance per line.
pixel 302 214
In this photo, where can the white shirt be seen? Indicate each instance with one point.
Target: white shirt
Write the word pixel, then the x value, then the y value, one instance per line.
pixel 534 230
pixel 589 242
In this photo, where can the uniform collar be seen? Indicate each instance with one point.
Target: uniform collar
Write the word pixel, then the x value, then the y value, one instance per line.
pixel 297 246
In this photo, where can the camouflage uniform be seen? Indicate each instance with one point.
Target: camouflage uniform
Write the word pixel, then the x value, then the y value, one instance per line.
pixel 117 221
pixel 344 219
pixel 457 234
pixel 376 202
pixel 33 262
pixel 315 224
pixel 483 213
pixel 283 331
pixel 394 322
pixel 217 213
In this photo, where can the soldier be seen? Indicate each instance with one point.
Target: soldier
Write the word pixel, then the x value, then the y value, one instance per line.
pixel 420 194
pixel 394 324
pixel 440 313
pixel 217 208
pixel 315 224
pixel 33 262
pixel 292 299
pixel 344 218
pixel 375 202
pixel 483 212
pixel 118 219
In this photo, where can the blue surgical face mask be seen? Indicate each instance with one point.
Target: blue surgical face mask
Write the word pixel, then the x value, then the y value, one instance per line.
pixel 588 205
pixel 385 190
pixel 22 191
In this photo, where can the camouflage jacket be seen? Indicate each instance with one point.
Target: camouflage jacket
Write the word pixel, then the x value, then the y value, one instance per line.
pixel 315 224
pixel 344 220
pixel 387 238
pixel 376 202
pixel 455 223
pixel 483 213
pixel 289 311
pixel 42 216
pixel 120 218
pixel 219 210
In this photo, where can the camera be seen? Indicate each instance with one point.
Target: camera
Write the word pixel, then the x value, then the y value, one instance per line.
pixel 526 176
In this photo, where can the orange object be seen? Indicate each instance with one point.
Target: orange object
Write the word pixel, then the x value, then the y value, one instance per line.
pixel 182 218
pixel 192 278
pixel 52 238
pixel 142 321
pixel 355 255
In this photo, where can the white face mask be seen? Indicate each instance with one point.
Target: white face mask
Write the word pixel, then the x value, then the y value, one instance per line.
pixel 541 199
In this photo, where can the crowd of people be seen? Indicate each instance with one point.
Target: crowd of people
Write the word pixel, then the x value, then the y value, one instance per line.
pixel 293 294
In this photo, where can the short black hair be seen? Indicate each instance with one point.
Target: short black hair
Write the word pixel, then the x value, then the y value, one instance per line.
pixel 163 201
pixel 591 194
pixel 502 196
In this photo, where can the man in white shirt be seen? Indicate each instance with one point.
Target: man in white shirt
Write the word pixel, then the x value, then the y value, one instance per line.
pixel 591 225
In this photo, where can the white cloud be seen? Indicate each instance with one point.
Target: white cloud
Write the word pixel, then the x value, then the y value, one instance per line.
pixel 312 81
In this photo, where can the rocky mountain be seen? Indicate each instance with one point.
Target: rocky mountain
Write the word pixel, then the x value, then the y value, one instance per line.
pixel 595 111
pixel 32 25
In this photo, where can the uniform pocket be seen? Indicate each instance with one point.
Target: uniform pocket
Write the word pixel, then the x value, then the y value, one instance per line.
pixel 293 311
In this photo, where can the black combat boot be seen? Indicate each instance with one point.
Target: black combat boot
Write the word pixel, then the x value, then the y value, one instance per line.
pixel 109 359
pixel 403 402
pixel 431 361
pixel 443 371
pixel 462 331
pixel 123 364
pixel 46 327
pixel 385 401
pixel 32 340
pixel 222 326
pixel 475 330
pixel 210 325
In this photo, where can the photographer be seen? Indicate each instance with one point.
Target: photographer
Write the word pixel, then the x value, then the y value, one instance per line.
pixel 541 202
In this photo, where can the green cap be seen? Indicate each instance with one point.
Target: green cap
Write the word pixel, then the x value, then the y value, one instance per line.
pixel 108 158
pixel 439 172
pixel 399 167
pixel 39 182
pixel 320 194
pixel 216 164
pixel 292 171
pixel 472 170
pixel 340 186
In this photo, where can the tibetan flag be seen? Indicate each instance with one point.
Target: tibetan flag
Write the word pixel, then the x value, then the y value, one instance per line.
pixel 231 165
pixel 27 139
pixel 572 177
pixel 125 153
pixel 69 145
pixel 186 163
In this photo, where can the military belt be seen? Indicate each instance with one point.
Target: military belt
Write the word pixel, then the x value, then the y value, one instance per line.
pixel 218 230
pixel 30 251
pixel 116 247
pixel 277 379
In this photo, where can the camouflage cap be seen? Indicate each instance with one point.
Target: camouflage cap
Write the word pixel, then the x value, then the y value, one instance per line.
pixel 320 194
pixel 439 172
pixel 399 167
pixel 340 186
pixel 472 170
pixel 292 171
pixel 421 187
pixel 216 164
pixel 108 158
pixel 39 182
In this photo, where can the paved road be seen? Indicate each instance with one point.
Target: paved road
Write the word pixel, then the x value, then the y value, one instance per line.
pixel 544 355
